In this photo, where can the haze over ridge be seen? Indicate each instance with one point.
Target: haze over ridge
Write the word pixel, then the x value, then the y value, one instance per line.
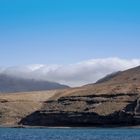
pixel 76 74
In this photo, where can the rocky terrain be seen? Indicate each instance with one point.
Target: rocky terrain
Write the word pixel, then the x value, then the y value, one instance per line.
pixel 114 101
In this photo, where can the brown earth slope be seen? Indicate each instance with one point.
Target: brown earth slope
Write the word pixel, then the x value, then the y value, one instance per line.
pixel 14 107
pixel 112 102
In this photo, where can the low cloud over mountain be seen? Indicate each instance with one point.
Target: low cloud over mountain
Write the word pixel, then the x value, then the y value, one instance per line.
pixel 73 74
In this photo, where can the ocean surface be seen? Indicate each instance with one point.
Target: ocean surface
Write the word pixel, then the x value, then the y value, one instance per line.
pixel 69 134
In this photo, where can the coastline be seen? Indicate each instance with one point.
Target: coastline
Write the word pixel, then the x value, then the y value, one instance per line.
pixel 71 127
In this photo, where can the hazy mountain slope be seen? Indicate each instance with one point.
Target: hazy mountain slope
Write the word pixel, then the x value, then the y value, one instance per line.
pixel 129 76
pixel 108 77
pixel 123 82
pixel 14 84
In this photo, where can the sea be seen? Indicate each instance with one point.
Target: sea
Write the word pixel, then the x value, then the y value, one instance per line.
pixel 70 134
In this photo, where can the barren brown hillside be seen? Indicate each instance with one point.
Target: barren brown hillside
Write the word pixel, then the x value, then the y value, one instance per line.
pixel 115 101
pixel 125 82
pixel 13 107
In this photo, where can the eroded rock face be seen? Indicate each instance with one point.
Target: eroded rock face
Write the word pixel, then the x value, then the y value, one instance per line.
pixel 92 110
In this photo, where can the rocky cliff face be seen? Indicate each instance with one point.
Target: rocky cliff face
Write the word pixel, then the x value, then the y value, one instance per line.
pixel 121 109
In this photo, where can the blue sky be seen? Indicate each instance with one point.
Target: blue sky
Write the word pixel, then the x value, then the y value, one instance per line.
pixel 68 31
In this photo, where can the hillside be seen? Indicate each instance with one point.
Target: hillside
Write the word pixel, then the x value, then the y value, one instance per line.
pixel 10 84
pixel 14 107
pixel 115 101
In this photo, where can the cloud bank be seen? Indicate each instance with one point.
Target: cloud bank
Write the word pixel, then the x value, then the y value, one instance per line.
pixel 73 74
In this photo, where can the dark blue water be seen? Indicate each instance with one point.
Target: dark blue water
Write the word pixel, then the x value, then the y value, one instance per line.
pixel 69 134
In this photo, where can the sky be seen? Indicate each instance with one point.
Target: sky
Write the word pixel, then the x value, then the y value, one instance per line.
pixel 68 32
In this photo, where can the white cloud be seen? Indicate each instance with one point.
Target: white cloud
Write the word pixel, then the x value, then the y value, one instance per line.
pixel 73 74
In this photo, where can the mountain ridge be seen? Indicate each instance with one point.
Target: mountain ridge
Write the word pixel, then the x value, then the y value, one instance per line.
pixel 10 84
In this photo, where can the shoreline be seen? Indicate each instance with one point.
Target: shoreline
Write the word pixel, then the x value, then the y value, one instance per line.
pixel 68 127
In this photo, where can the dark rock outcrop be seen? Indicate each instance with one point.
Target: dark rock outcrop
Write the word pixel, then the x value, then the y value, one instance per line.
pixel 82 111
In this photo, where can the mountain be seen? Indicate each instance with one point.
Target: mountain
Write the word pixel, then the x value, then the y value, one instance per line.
pixel 112 102
pixel 108 77
pixel 129 76
pixel 115 101
pixel 14 84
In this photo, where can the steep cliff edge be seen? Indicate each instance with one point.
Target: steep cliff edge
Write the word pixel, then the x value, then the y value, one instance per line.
pixel 121 109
